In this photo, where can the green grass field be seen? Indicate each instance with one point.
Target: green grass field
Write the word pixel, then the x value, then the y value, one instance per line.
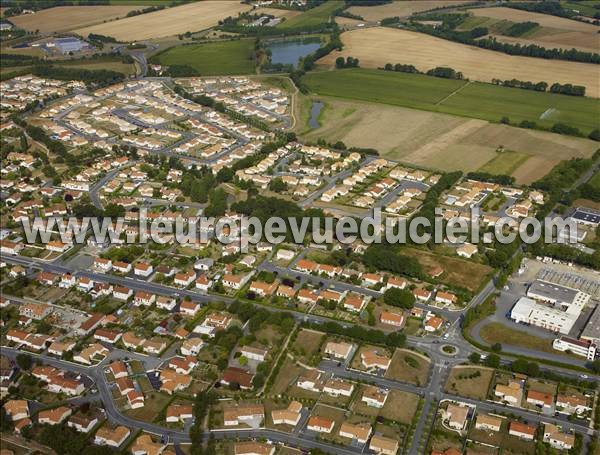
pixel 505 163
pixel 210 59
pixel 595 180
pixel 314 16
pixel 475 100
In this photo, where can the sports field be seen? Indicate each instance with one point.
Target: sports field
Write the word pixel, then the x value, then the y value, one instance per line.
pixel 313 16
pixel 225 57
pixel 63 18
pixel 399 8
pixel 191 17
pixel 426 52
pixel 475 100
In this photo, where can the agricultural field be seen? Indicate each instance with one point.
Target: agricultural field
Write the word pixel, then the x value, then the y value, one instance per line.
pixel 426 52
pixel 278 12
pixel 191 17
pixel 64 18
pixel 438 141
pixel 553 31
pixel 400 8
pixel 225 57
pixel 474 100
pixel 313 16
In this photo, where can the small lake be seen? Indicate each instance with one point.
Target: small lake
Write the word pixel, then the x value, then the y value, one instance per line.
pixel 315 110
pixel 289 52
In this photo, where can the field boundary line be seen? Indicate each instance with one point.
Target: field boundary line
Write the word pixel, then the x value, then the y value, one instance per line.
pixel 453 93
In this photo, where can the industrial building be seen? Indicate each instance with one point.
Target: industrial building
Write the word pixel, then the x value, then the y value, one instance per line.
pixel 528 311
pixel 557 295
pixel 69 44
pixel 586 216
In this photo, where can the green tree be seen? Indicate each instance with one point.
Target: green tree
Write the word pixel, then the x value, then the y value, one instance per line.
pixel 278 185
pixel 474 357
pixel 402 298
pixel 492 360
pixel 24 361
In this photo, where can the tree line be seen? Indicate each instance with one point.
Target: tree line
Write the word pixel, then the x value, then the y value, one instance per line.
pixel 96 78
pixel 349 62
pixel 444 72
pixel 563 89
pixel 393 339
pixel 475 37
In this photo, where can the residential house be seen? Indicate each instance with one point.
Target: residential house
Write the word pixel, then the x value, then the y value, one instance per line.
pixel 358 433
pixel 239 376
pixel 179 413
pixel 522 431
pixel 320 424
pixel 82 422
pixel 310 380
pixel 372 359
pixel 289 416
pixel 557 439
pixel 16 409
pixel 540 399
pixel 336 387
pixel 54 416
pixel 374 396
pixel 511 393
pixel 339 350
pixel 389 318
pixel 236 415
pixel 191 346
pixel 456 416
pixel 113 437
pixel 384 446
pixel 254 353
pixel 189 308
pixel 488 422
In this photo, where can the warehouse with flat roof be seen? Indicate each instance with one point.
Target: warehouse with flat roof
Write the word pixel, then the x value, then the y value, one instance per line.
pixel 557 294
pixel 69 44
pixel 528 311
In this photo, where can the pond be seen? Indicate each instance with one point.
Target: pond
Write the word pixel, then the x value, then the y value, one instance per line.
pixel 289 52
pixel 315 111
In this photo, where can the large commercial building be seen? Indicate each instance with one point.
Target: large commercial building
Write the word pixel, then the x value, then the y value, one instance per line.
pixel 591 332
pixel 550 306
pixel 528 311
pixel 557 294
pixel 586 216
pixel 69 44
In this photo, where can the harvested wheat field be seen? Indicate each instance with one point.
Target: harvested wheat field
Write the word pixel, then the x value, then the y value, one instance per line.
pixel 442 141
pixel 400 8
pixel 426 52
pixel 553 31
pixel 192 17
pixel 63 18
